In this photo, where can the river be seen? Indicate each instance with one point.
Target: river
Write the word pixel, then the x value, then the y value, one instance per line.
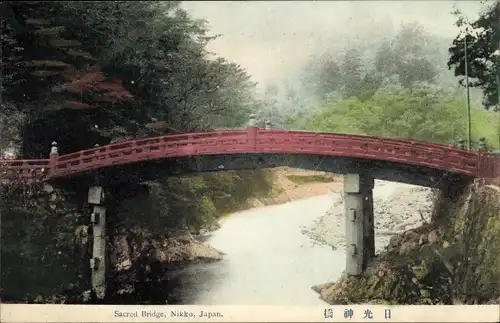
pixel 269 260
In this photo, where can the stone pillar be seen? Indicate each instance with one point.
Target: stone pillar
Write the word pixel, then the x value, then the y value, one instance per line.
pixel 360 236
pixel 252 133
pixel 461 144
pixel 252 122
pixel 53 158
pixel 482 144
pixel 268 124
pixel 98 260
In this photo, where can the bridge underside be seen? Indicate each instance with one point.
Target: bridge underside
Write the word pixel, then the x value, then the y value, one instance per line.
pixel 389 171
pixel 358 192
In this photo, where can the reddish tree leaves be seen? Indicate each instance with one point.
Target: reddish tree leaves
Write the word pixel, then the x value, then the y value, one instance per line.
pixel 93 81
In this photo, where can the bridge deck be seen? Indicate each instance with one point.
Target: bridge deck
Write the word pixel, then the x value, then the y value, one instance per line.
pixel 460 162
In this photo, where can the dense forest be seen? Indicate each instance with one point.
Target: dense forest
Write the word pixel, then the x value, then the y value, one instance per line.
pixel 408 84
pixel 86 73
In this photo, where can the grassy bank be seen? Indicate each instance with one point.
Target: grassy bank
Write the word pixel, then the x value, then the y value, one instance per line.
pixel 307 179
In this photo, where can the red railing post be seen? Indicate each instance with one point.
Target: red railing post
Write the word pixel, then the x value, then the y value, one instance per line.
pixel 492 167
pixel 486 167
pixel 189 146
pixel 495 166
pixel 53 159
pixel 252 133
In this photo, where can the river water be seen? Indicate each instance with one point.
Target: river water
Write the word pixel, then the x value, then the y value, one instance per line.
pixel 269 260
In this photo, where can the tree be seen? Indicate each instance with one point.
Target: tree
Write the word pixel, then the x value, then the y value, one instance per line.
pixel 369 86
pixel 351 69
pixel 322 76
pixel 11 118
pixel 82 73
pixel 329 78
pixel 132 69
pixel 483 66
pixel 268 108
pixel 384 59
pixel 328 75
pixel 404 57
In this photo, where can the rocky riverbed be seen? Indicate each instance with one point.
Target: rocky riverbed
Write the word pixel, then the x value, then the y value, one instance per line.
pixel 397 208
pixel 447 261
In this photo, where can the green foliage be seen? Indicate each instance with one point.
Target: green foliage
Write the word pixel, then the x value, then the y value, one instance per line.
pixel 81 73
pixel 191 202
pixel 321 75
pixel 351 73
pixel 150 52
pixel 39 253
pixel 420 114
pixel 410 65
pixel 407 60
pixel 483 66
pixel 157 52
pixel 403 60
pixel 403 90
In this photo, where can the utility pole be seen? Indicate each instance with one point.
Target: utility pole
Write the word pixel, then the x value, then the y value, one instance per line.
pixel 497 54
pixel 496 59
pixel 468 92
pixel 498 98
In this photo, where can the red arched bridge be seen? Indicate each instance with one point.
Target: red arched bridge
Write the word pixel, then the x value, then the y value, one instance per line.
pixel 360 158
pixel 390 153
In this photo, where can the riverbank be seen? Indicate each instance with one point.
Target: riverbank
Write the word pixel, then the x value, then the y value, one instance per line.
pixel 413 268
pixel 267 261
pixel 446 257
pixel 47 235
pixel 292 184
pixel 289 184
pixel 397 208
pixel 133 254
pixel 184 248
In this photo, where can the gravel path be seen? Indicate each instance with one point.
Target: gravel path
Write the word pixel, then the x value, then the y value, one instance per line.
pixel 398 207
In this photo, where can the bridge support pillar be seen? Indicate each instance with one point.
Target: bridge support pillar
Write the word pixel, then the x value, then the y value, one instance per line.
pixel 98 260
pixel 360 228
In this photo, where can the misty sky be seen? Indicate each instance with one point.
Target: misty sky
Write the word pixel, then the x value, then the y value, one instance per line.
pixel 268 38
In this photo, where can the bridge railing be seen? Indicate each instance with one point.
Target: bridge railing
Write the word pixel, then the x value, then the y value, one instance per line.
pixel 487 163
pixel 399 143
pixel 414 152
pixel 492 166
pixel 24 169
pixel 402 141
pixel 142 148
pixel 254 139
